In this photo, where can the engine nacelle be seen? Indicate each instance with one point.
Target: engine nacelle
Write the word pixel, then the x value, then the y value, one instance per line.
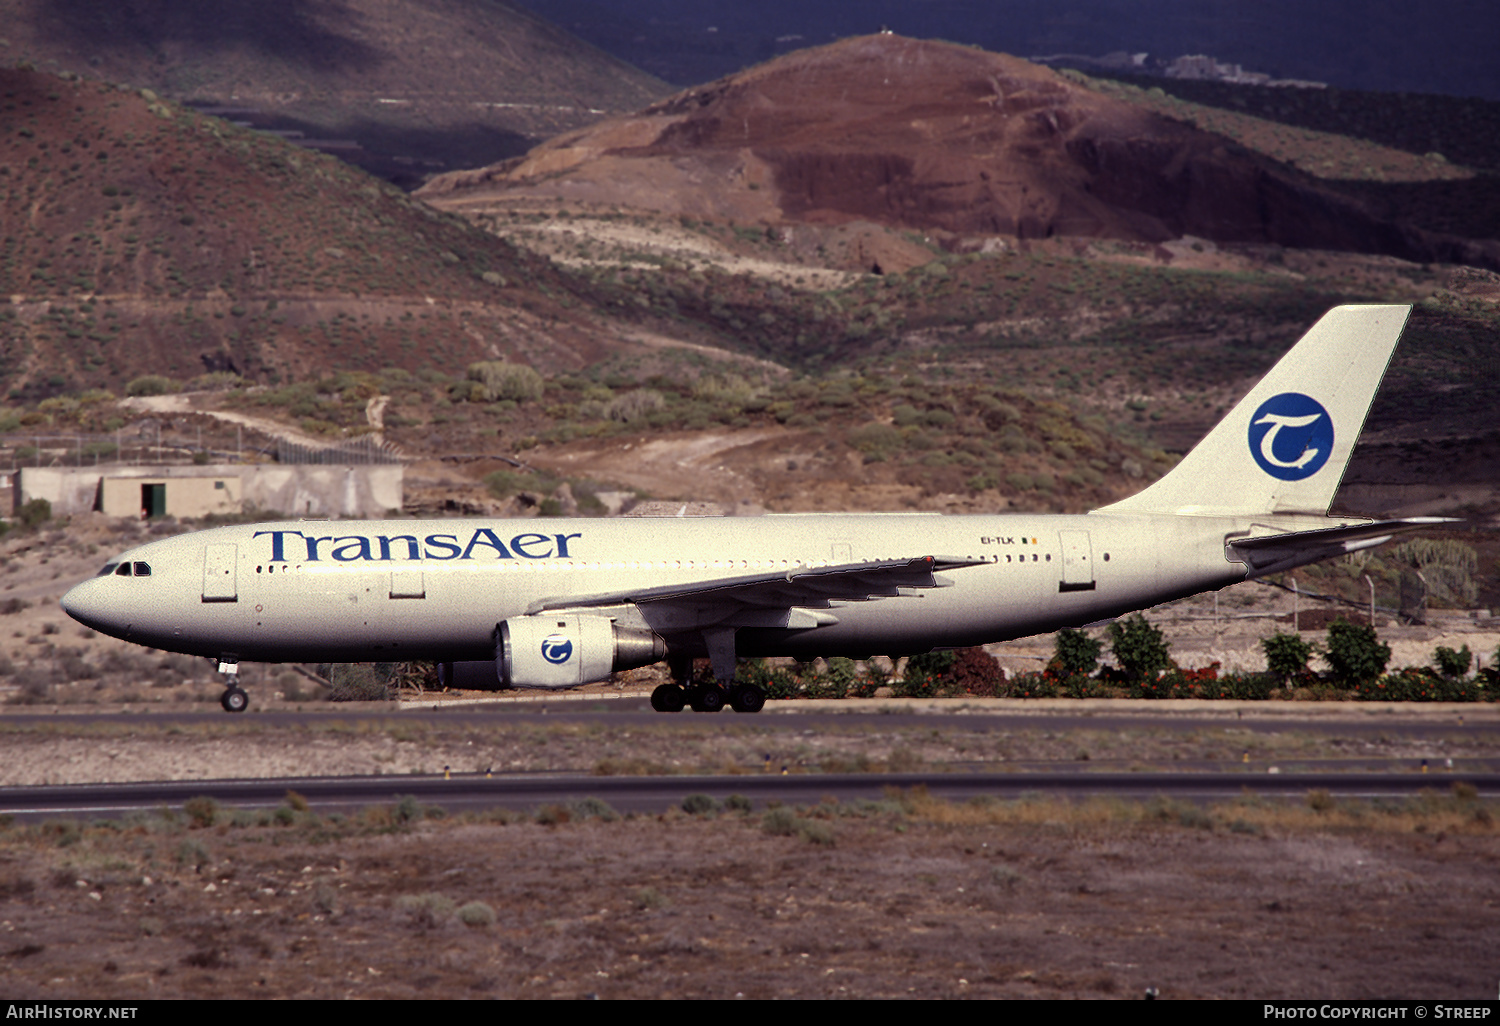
pixel 564 651
pixel 470 675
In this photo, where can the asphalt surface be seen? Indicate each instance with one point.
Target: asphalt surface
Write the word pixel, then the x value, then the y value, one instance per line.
pixel 1390 719
pixel 656 794
pixel 1194 781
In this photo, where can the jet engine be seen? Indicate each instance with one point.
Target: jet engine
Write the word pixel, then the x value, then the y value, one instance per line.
pixel 470 675
pixel 553 651
pixel 563 651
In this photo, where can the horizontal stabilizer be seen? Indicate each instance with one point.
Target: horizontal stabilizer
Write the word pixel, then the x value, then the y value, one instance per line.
pixel 1275 553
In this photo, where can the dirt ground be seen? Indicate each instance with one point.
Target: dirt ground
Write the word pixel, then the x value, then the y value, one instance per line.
pixel 1032 900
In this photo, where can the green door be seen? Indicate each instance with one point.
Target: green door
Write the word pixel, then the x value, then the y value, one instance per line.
pixel 154 500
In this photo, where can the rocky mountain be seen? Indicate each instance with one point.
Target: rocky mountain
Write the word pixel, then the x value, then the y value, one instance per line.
pixel 1432 46
pixel 139 237
pixel 937 137
pixel 403 87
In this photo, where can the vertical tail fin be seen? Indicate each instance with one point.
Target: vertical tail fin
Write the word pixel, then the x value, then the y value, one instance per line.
pixel 1283 449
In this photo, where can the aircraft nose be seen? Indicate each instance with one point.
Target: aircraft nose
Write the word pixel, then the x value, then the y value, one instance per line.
pixel 88 604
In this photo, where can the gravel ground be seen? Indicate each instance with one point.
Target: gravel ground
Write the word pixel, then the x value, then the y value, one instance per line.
pixel 926 900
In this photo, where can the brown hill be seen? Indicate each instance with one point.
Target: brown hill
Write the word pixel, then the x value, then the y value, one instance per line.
pixel 139 237
pixel 428 83
pixel 936 136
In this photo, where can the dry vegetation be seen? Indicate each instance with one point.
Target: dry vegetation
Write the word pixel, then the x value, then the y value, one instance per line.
pixel 905 897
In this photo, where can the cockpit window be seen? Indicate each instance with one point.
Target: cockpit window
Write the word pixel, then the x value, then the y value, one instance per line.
pixel 109 568
pixel 124 570
pixel 143 569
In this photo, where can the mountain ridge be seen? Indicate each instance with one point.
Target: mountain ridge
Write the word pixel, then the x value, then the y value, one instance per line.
pixel 412 84
pixel 932 136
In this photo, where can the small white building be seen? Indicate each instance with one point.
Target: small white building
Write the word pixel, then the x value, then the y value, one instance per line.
pixel 321 490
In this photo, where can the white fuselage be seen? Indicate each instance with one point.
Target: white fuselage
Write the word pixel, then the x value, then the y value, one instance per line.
pixel 347 591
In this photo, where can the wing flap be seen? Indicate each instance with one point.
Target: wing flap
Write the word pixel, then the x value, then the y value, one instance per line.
pixel 781 598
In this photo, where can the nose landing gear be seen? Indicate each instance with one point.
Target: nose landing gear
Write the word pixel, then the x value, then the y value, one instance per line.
pixel 234 699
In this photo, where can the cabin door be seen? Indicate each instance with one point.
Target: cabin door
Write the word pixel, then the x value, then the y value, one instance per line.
pixel 219 573
pixel 1077 562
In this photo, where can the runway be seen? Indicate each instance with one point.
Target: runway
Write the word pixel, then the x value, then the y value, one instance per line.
pixel 1405 719
pixel 1365 773
pixel 656 794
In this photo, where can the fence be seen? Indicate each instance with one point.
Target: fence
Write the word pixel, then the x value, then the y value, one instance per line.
pixel 136 448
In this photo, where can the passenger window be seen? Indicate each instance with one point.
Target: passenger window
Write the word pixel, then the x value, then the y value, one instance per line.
pixel 143 569
pixel 124 570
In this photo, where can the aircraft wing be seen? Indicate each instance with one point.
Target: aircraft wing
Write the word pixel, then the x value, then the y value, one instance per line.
pixel 1274 553
pixel 790 598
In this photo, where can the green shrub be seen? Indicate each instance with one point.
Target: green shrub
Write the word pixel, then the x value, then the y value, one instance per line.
pixel 500 380
pixel 836 683
pixel 925 675
pixel 1139 649
pixel 1075 653
pixel 594 808
pixel 1243 686
pixel 1421 684
pixel 1354 653
pixel 700 805
pixel 1451 663
pixel 1034 685
pixel 1286 655
pixel 815 831
pixel 151 384
pixel 777 684
pixel 34 513
pixel 876 439
pixel 476 914
pixel 634 405
pixel 779 822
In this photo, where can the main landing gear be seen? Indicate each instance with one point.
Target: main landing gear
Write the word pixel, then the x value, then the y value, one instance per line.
pixel 234 699
pixel 705 697
pixel 745 698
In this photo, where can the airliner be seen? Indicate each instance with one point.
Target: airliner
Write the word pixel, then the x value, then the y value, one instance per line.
pixel 556 603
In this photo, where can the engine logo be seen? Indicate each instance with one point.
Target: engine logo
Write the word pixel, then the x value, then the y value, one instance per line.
pixel 1291 436
pixel 557 649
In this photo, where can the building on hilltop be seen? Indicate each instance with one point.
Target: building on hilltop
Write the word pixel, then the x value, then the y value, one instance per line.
pixel 320 490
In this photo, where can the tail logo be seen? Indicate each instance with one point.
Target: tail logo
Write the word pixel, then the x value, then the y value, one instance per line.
pixel 1291 436
pixel 557 649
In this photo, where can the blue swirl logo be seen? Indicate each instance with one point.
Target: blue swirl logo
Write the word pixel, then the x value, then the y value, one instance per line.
pixel 557 649
pixel 1291 436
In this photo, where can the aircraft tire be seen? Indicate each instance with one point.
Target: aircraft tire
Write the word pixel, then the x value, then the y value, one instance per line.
pixel 747 698
pixel 668 698
pixel 234 700
pixel 710 698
